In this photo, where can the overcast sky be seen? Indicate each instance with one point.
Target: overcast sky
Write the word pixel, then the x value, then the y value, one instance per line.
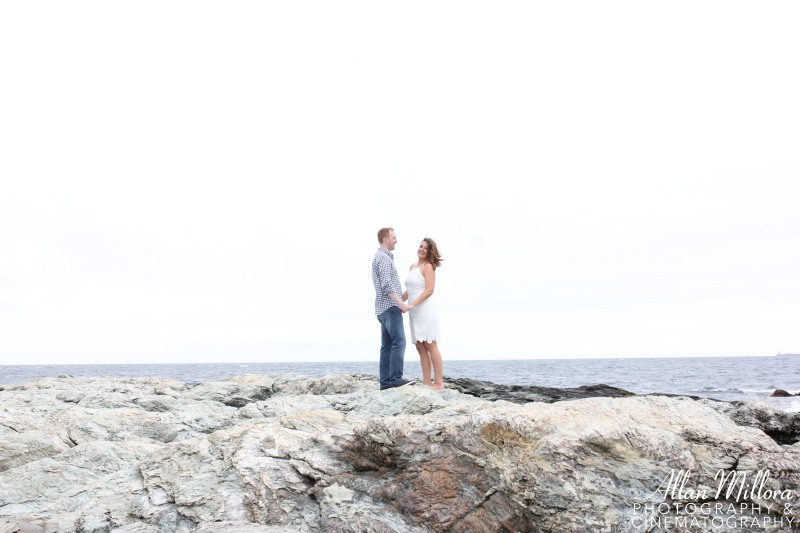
pixel 204 181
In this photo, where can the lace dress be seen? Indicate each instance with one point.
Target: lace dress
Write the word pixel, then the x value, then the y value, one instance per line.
pixel 423 319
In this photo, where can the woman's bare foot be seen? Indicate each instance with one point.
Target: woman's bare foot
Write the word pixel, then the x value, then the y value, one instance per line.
pixel 437 386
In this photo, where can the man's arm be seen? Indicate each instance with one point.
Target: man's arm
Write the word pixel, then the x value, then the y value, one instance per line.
pixel 400 303
pixel 385 283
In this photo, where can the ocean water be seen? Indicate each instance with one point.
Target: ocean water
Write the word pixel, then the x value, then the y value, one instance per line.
pixel 722 378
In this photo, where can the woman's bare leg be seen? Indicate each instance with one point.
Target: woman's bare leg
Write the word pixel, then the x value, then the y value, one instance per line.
pixel 435 358
pixel 425 362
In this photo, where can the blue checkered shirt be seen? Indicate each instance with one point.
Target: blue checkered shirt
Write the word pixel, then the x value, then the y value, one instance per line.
pixel 385 279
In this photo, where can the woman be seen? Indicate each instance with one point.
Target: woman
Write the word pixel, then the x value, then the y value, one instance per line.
pixel 423 319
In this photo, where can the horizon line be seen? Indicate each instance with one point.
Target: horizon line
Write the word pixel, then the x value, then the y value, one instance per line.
pixel 295 361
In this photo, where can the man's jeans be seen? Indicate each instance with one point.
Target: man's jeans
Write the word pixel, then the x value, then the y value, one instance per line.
pixel 393 346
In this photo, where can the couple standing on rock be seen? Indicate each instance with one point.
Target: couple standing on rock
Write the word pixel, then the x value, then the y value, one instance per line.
pixel 390 304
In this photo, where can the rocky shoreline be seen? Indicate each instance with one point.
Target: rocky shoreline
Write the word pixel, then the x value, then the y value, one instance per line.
pixel 262 453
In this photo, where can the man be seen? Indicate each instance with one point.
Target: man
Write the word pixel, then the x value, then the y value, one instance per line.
pixel 389 306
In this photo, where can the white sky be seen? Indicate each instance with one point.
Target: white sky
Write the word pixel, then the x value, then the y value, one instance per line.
pixel 203 181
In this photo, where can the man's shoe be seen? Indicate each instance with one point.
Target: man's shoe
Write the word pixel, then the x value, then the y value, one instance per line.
pixel 402 382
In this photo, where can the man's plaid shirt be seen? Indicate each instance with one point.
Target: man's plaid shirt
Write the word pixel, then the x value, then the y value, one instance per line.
pixel 385 279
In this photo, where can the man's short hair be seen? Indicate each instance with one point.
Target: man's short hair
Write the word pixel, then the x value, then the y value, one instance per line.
pixel 383 233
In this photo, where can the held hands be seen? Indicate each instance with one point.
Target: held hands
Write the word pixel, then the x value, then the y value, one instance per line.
pixel 404 307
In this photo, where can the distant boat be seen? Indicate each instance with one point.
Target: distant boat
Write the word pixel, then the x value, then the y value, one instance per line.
pixel 795 354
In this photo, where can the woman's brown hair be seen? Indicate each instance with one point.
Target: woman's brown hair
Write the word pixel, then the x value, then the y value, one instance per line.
pixel 433 256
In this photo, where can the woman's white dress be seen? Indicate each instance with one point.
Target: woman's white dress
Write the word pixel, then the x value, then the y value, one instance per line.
pixel 423 319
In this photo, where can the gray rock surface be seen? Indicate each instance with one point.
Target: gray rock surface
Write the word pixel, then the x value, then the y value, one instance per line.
pixel 531 393
pixel 289 453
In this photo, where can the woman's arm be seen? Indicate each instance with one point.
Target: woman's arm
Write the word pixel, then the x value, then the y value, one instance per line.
pixel 405 293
